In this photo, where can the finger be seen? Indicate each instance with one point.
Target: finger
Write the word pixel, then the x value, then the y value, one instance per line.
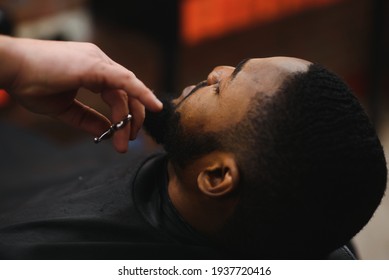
pixel 118 77
pixel 138 111
pixel 118 102
pixel 85 118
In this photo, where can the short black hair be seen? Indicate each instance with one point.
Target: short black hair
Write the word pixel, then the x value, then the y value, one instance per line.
pixel 313 170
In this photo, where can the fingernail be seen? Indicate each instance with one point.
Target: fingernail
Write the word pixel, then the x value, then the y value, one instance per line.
pixel 159 104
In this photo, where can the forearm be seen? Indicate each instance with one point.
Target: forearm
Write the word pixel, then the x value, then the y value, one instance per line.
pixel 9 61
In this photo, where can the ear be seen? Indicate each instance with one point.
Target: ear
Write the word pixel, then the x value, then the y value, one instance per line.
pixel 219 176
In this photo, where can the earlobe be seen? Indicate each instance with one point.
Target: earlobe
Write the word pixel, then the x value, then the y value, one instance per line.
pixel 219 178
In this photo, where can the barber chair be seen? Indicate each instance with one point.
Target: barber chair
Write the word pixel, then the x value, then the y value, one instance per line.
pixel 345 252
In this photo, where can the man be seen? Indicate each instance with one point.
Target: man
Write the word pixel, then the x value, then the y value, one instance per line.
pixel 272 159
pixel 275 159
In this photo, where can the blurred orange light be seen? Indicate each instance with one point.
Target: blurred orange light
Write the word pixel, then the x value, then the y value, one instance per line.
pixel 201 19
pixel 4 98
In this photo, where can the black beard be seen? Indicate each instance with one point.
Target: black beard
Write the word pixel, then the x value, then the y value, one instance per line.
pixel 160 125
pixel 181 147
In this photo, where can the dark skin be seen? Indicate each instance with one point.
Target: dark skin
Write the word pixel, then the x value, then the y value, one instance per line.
pixel 201 191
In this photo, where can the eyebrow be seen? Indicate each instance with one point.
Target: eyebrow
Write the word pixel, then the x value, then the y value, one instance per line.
pixel 238 68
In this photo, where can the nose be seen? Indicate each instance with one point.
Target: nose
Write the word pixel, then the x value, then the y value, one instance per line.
pixel 219 73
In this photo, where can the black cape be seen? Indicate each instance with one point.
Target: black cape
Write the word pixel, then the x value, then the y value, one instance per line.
pixel 116 208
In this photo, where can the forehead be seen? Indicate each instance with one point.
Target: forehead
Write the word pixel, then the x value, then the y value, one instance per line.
pixel 271 72
pixel 262 76
pixel 283 63
pixel 266 75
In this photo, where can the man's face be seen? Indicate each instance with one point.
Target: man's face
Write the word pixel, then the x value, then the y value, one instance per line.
pixel 189 124
pixel 222 99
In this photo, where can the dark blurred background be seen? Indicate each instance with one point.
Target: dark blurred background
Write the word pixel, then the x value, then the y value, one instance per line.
pixel 172 44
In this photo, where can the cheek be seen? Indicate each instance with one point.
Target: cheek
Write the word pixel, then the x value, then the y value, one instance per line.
pixel 199 113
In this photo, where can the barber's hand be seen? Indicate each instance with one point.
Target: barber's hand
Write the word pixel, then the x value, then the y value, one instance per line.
pixel 48 75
